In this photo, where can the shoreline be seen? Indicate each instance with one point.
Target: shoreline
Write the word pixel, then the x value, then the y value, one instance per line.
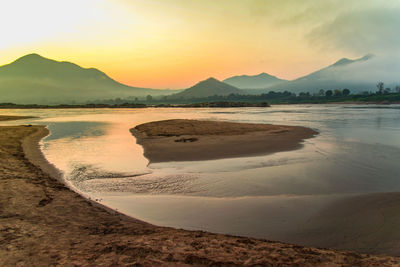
pixel 12 118
pixel 31 148
pixel 43 210
pixel 33 152
pixel 192 140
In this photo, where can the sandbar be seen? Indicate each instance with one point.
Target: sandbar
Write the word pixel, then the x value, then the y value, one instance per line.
pixel 189 140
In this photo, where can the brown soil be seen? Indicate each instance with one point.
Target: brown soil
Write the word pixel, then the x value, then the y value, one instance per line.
pixel 43 223
pixel 185 140
pixel 10 118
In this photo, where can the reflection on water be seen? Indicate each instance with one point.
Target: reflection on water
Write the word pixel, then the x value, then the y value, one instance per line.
pixel 273 196
pixel 75 129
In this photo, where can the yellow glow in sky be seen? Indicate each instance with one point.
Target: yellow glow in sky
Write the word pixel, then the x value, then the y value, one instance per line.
pixel 175 43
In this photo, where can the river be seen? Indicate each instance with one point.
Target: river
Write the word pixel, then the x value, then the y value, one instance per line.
pixel 332 192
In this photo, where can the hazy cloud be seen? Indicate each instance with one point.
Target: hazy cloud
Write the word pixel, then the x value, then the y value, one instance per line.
pixel 373 30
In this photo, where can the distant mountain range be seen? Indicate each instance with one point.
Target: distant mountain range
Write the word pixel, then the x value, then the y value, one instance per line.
pixel 33 79
pixel 345 73
pixel 207 88
pixel 357 75
pixel 260 81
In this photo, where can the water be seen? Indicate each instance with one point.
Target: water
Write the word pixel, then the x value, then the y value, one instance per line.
pixel 276 196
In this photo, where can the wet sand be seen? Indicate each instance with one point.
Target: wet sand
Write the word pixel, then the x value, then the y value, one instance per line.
pixel 43 223
pixel 187 140
pixel 366 223
pixel 10 118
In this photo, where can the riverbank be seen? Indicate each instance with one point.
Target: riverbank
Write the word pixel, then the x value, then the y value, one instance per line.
pixel 11 118
pixel 187 140
pixel 43 223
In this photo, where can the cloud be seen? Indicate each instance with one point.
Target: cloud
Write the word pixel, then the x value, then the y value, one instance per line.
pixel 342 26
pixel 373 30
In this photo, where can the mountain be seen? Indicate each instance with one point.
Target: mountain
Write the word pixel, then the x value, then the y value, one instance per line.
pixel 260 81
pixel 207 88
pixel 33 79
pixel 346 61
pixel 358 75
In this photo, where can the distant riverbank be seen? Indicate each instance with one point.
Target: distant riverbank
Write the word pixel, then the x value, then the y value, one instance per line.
pixel 263 100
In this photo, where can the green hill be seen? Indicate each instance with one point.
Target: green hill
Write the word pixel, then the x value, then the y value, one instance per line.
pixel 33 79
pixel 260 81
pixel 206 88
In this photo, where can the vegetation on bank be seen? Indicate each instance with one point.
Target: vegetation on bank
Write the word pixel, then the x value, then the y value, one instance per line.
pixel 63 106
pixel 263 100
pixel 381 96
pixel 288 98
pixel 220 104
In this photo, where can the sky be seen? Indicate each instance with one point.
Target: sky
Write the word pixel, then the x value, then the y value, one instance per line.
pixel 176 43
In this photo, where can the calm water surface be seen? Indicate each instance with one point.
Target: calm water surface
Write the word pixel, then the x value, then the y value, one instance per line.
pixel 273 196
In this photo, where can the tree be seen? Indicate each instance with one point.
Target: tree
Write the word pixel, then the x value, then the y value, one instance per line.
pixel 321 92
pixel 397 89
pixel 338 92
pixel 387 90
pixel 328 93
pixel 346 91
pixel 149 98
pixel 287 93
pixel 303 94
pixel 380 86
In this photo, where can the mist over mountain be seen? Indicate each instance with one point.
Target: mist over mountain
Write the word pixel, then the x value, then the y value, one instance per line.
pixel 260 81
pixel 207 88
pixel 33 79
pixel 358 75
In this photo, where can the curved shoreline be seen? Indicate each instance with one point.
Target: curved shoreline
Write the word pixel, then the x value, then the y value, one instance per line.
pixel 33 152
pixel 48 224
pixel 31 148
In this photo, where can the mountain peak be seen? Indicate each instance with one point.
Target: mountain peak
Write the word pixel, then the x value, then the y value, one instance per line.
pixel 367 56
pixel 211 79
pixel 31 61
pixel 31 57
pixel 37 63
pixel 342 62
pixel 259 81
pixel 209 82
pixel 346 61
pixel 207 88
pixel 264 74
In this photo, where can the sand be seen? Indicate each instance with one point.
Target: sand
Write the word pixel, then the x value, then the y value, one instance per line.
pixel 187 140
pixel 367 223
pixel 10 118
pixel 43 223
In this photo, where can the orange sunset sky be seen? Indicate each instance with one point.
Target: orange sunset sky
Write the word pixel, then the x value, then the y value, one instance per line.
pixel 176 43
